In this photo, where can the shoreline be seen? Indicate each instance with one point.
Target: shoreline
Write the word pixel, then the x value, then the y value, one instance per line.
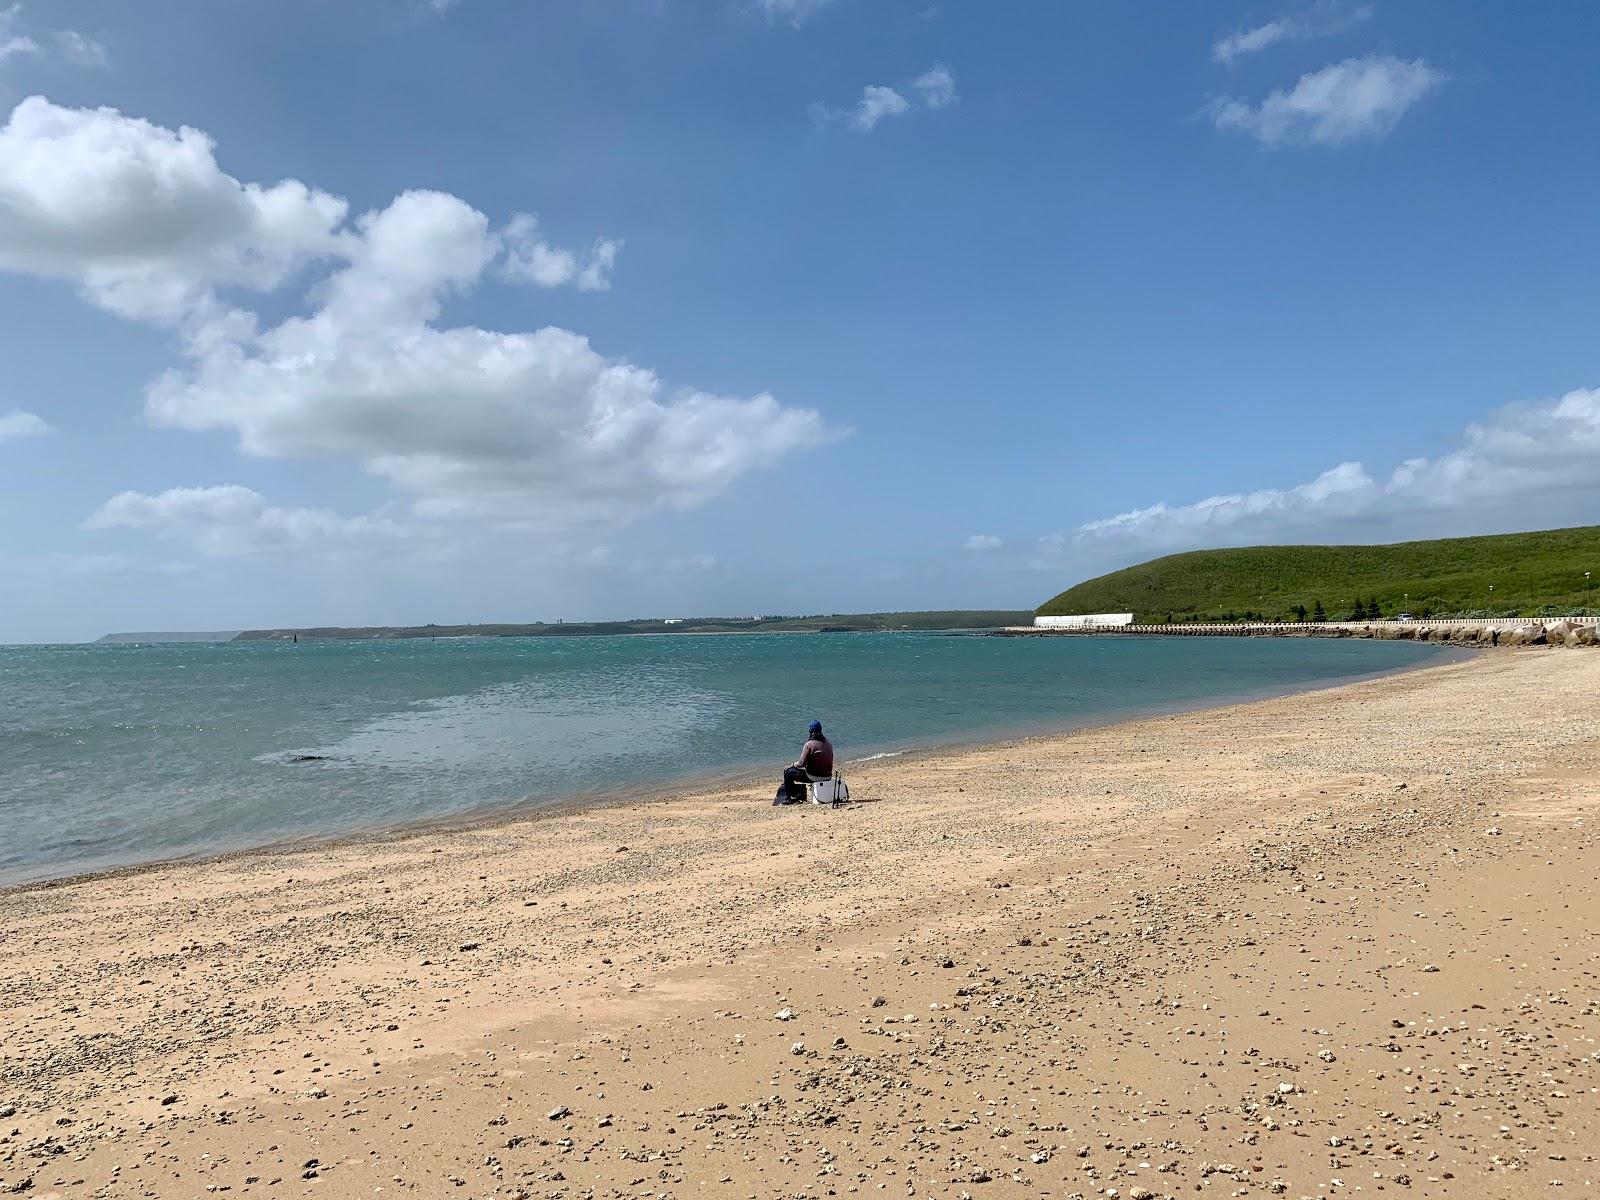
pixel 495 814
pixel 1477 633
pixel 1314 941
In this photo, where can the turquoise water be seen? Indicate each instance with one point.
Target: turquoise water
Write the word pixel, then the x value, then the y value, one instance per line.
pixel 111 755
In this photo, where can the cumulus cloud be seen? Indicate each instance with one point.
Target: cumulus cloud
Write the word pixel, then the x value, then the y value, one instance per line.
pixel 1319 21
pixel 232 520
pixel 1518 455
pixel 1360 97
pixel 933 89
pixel 530 426
pixel 531 259
pixel 140 218
pixel 979 542
pixel 472 422
pixel 20 424
pixel 875 104
pixel 937 86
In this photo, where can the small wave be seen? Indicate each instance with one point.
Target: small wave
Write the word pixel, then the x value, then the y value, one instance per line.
pixel 874 757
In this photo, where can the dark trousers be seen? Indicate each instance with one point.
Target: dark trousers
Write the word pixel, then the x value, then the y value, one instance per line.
pixel 793 788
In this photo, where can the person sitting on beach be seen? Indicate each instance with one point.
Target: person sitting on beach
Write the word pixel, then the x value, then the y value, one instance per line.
pixel 816 762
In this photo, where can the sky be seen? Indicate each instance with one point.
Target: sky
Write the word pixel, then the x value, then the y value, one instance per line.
pixel 396 311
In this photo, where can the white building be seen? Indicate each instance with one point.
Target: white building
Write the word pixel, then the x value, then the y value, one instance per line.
pixel 1085 621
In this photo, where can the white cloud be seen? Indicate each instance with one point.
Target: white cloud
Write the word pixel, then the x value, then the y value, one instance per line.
pixel 77 48
pixel 14 43
pixel 979 542
pixel 81 49
pixel 1360 97
pixel 530 259
pixel 875 104
pixel 1248 41
pixel 937 86
pixel 140 218
pixel 534 427
pixel 20 424
pixel 529 426
pixel 1519 455
pixel 232 520
pixel 1319 21
pixel 795 12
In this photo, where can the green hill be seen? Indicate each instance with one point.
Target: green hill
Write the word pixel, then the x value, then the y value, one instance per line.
pixel 1531 573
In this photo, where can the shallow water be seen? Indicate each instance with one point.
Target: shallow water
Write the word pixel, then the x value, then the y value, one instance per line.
pixel 111 755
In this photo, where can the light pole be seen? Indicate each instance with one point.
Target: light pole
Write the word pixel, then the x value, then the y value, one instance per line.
pixel 1588 587
pixel 1491 599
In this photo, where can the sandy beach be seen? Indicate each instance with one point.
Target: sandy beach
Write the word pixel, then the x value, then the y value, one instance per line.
pixel 1333 943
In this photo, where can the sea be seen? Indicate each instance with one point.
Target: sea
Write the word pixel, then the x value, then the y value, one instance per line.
pixel 113 755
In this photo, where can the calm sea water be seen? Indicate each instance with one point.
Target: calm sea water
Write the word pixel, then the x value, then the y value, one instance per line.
pixel 111 755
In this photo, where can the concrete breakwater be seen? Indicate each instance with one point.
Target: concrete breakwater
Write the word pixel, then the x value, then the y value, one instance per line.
pixel 1562 631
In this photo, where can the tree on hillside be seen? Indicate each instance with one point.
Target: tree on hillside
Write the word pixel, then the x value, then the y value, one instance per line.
pixel 1359 613
pixel 1374 610
pixel 1300 613
pixel 1318 613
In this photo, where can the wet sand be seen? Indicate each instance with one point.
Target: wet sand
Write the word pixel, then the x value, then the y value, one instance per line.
pixel 1325 944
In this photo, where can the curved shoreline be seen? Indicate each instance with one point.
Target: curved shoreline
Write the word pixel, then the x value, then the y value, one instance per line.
pixel 1261 934
pixel 496 814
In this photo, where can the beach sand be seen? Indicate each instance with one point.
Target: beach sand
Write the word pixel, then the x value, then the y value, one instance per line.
pixel 1331 944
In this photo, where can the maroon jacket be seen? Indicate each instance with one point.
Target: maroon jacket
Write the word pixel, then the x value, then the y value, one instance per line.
pixel 817 757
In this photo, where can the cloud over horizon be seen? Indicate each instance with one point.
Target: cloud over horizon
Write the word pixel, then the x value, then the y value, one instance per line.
pixel 534 426
pixel 1516 455
pixel 231 520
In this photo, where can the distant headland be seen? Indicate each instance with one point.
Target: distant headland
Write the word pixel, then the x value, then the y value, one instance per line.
pixel 1501 576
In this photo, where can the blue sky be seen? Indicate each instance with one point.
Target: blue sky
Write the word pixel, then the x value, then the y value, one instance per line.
pixel 486 311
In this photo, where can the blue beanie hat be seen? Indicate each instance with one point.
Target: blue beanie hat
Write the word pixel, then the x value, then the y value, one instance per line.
pixel 816 727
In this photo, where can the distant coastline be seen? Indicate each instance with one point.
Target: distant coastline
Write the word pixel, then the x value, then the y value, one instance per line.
pixel 116 639
pixel 959 619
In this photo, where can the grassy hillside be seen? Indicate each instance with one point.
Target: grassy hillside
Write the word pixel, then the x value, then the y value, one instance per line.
pixel 831 622
pixel 1532 573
